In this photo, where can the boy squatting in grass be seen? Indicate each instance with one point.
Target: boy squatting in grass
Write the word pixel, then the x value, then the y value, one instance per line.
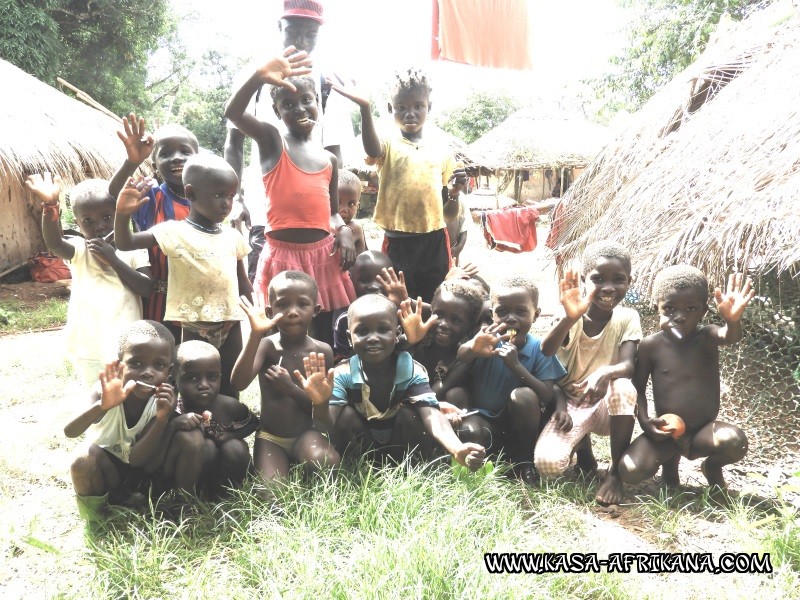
pixel 385 396
pixel 286 434
pixel 107 284
pixel 414 172
pixel 132 441
pixel 206 273
pixel 512 379
pixel 683 361
pixel 224 421
pixel 596 342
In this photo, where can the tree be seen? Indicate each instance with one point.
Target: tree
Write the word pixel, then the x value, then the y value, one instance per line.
pixel 667 37
pixel 482 112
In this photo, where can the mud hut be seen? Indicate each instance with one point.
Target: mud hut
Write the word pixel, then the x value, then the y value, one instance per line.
pixel 45 130
pixel 708 171
pixel 538 154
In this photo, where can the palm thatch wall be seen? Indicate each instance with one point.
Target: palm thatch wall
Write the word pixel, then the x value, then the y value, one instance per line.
pixel 708 172
pixel 45 130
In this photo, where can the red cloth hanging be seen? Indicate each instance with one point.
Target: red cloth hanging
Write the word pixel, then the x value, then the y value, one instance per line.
pixel 483 33
pixel 511 229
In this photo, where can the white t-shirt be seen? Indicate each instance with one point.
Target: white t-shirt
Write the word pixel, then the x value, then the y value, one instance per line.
pixel 113 434
pixel 202 284
pixel 100 305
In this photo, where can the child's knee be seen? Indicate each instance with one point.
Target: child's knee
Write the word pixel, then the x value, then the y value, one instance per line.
pixel 189 443
pixel 408 420
pixel 524 402
pixel 550 464
pixel 476 431
pixel 731 441
pixel 457 397
pixel 84 467
pixel 235 453
pixel 629 472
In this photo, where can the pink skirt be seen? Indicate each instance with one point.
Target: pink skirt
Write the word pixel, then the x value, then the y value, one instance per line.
pixel 334 285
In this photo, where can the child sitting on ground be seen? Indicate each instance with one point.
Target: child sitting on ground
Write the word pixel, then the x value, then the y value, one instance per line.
pixel 206 273
pixel 349 201
pixel 286 435
pixel 170 147
pixel 385 396
pixel 224 421
pixel 683 361
pixel 107 284
pixel 512 379
pixel 596 342
pixel 132 444
pixel 414 172
pixel 301 182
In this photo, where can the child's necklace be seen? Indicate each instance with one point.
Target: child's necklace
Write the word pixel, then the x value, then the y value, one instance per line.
pixel 202 228
pixel 177 195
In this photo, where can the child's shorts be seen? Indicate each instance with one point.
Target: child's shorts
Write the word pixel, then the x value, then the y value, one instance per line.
pixel 133 480
pixel 285 443
pixel 214 333
pixel 334 285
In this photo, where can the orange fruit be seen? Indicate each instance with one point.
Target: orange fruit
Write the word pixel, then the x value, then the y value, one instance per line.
pixel 674 425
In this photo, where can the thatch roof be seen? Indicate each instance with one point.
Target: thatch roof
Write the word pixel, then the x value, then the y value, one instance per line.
pixel 526 140
pixel 45 130
pixel 708 172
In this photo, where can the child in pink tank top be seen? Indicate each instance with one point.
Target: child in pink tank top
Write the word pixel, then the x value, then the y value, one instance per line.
pixel 304 230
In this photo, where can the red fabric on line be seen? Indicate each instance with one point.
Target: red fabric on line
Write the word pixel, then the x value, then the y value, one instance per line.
pixel 511 229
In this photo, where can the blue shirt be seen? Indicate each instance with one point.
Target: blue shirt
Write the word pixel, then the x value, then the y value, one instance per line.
pixel 493 381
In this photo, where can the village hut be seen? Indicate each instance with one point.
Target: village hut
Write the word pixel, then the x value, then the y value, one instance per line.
pixel 708 171
pixel 45 130
pixel 540 155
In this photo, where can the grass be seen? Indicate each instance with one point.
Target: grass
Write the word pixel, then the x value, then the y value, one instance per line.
pixel 19 317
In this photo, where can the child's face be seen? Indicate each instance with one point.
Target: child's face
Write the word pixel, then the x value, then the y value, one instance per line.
pixel 410 109
pixel 171 154
pixel 365 278
pixel 95 218
pixel 213 198
pixel 610 281
pixel 374 334
pixel 515 308
pixel 298 110
pixel 454 321
pixel 300 33
pixel 681 311
pixel 298 303
pixel 348 202
pixel 199 380
pixel 148 360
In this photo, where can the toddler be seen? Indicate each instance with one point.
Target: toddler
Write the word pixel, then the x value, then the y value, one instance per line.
pixel 349 201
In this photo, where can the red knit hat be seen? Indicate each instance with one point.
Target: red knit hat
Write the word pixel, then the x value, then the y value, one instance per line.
pixel 305 9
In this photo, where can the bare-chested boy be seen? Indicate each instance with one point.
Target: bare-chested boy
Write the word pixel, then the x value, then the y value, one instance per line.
pixel 683 361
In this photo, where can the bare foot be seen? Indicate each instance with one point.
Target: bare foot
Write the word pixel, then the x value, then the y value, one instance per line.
pixel 669 472
pixel 585 461
pixel 713 475
pixel 611 490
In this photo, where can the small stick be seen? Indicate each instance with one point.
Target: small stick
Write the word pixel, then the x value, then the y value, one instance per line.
pixel 468 413
pixel 147 385
pixel 675 332
pixel 107 237
pixel 280 360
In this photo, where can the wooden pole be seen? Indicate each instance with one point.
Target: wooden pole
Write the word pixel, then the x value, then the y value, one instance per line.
pixel 86 98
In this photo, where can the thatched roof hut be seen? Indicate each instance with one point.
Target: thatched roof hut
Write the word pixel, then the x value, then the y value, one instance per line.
pixel 529 141
pixel 45 130
pixel 708 171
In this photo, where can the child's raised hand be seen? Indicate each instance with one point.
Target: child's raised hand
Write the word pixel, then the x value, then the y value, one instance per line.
pixel 133 195
pixel 574 305
pixel 467 271
pixel 411 320
pixel 484 342
pixel 257 315
pixel 737 296
pixel 350 92
pixel 279 379
pixel 393 284
pixel 138 143
pixel 46 187
pixel 291 63
pixel 114 389
pixel 317 384
pixel 166 401
pixel 470 455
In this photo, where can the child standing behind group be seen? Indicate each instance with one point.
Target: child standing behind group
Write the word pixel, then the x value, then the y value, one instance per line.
pixel 107 284
pixel 414 172
pixel 206 273
pixel 301 182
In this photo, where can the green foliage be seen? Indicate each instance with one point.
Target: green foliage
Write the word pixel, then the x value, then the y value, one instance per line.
pixel 482 112
pixel 29 37
pixel 18 317
pixel 667 37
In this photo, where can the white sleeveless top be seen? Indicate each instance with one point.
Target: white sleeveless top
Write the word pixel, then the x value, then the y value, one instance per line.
pixel 113 434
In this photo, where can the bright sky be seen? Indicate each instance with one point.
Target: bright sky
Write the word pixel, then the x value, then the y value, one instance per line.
pixel 368 39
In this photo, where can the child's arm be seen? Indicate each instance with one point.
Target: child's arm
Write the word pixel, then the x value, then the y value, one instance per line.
pixel 245 287
pixel 113 393
pixel 138 145
pixel 510 355
pixel 254 353
pixel 596 384
pixel 483 344
pixel 131 198
pixel 318 387
pixel 574 307
pixel 144 449
pixel 731 306
pixel 239 412
pixel 439 428
pixel 643 369
pixel 369 136
pixel 393 284
pixel 460 243
pixel 413 326
pixel 138 281
pixel 343 235
pixel 48 190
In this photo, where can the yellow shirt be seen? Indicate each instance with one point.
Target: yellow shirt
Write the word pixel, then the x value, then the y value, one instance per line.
pixel 411 177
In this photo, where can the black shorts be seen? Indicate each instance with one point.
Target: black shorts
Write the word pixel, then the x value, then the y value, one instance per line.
pixel 132 480
pixel 424 259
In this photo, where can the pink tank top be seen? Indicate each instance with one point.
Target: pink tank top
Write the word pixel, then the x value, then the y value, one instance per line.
pixel 297 199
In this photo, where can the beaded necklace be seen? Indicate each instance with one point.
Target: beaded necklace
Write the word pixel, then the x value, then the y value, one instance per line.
pixel 203 228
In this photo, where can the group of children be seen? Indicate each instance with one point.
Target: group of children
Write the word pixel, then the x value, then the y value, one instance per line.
pixel 423 356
